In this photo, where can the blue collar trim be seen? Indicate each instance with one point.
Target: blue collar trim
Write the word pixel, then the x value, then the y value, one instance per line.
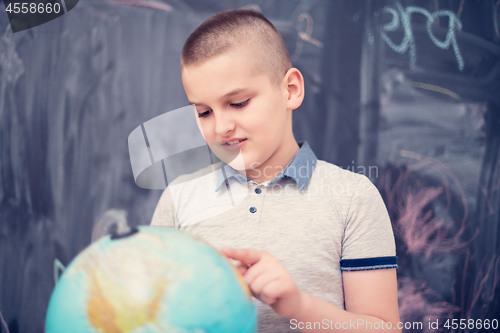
pixel 226 172
pixel 299 169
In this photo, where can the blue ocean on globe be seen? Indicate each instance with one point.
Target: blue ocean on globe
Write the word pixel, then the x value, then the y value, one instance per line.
pixel 154 280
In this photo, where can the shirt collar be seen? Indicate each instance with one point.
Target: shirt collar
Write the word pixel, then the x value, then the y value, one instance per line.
pixel 226 172
pixel 299 169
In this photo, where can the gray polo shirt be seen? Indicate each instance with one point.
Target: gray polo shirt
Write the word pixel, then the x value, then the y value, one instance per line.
pixel 315 217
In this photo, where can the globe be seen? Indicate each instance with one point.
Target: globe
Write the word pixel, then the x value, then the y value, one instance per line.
pixel 152 280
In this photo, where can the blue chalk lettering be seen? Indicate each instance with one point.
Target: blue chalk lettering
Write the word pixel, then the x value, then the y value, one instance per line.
pixel 402 17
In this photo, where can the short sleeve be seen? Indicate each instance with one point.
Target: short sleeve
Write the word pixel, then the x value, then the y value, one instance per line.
pixel 368 238
pixel 165 214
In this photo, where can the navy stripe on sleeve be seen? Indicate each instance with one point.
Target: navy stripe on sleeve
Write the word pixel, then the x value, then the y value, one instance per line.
pixel 368 263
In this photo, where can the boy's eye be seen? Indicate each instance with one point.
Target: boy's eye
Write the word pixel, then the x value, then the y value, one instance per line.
pixel 241 104
pixel 204 114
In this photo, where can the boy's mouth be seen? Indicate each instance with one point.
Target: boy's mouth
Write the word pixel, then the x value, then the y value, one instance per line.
pixel 232 142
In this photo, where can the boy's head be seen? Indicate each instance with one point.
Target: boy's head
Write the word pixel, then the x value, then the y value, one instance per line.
pixel 237 72
pixel 239 28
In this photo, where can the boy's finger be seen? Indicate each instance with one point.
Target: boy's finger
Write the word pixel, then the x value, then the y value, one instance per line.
pixel 266 299
pixel 245 256
pixel 242 269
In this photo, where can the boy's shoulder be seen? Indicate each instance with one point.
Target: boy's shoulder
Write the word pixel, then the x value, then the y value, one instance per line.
pixel 339 181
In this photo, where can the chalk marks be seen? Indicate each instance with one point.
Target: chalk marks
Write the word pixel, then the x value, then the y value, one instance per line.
pixel 150 4
pixel 4 323
pixel 485 283
pixel 11 64
pixel 305 24
pixel 441 90
pixel 402 17
pixel 460 9
pixel 306 34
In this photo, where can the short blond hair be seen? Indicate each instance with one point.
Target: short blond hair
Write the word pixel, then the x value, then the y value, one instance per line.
pixel 228 29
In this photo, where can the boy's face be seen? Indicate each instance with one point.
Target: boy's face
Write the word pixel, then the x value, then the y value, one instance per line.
pixel 240 108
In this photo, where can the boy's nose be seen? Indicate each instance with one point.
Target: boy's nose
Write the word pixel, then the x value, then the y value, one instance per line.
pixel 224 123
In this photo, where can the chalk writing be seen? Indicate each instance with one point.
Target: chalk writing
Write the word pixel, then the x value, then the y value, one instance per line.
pixel 402 16
pixel 305 24
pixel 306 35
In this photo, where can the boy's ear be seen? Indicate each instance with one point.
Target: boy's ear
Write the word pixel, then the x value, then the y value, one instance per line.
pixel 294 82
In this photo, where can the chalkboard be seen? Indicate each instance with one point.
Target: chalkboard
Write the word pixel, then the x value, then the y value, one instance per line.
pixel 407 92
pixel 434 106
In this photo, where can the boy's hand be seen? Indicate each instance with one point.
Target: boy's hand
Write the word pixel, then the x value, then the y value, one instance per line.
pixel 268 279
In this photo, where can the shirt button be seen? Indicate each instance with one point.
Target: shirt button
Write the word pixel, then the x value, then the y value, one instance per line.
pixel 258 190
pixel 253 210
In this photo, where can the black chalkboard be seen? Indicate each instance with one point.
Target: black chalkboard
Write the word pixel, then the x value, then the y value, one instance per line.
pixel 407 92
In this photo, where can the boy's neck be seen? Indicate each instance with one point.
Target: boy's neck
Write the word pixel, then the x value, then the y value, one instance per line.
pixel 275 164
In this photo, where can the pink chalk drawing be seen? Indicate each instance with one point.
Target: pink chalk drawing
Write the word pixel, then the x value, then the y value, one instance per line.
pixel 410 200
pixel 435 229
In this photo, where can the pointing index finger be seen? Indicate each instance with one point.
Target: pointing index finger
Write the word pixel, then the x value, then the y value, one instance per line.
pixel 245 256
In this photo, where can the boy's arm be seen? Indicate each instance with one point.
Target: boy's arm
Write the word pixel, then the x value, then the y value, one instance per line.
pixel 370 299
pixel 370 296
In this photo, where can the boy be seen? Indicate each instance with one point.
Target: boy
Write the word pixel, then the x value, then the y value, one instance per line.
pixel 314 242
